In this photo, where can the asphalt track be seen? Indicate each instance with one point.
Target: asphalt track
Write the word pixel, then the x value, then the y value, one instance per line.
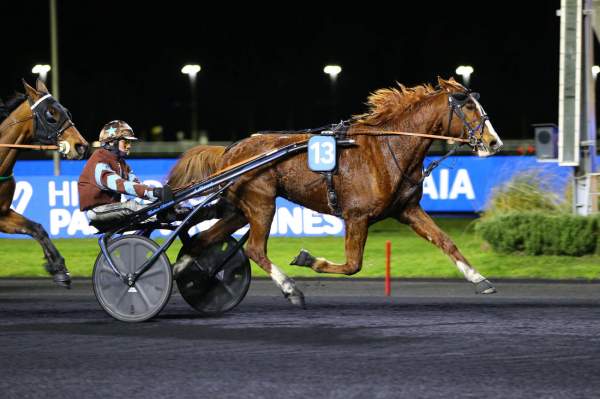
pixel 430 339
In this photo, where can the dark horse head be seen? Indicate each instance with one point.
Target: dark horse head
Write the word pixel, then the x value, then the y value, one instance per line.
pixel 380 177
pixel 42 119
pixel 38 118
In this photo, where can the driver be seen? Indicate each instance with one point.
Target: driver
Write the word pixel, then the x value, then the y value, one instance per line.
pixel 106 176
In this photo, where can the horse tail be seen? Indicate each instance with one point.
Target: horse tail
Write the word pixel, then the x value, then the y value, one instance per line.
pixel 195 165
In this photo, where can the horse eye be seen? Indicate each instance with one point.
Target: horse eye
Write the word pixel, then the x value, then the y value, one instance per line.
pixel 49 117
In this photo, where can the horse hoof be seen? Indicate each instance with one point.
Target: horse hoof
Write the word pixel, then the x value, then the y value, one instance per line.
pixel 484 287
pixel 296 298
pixel 304 258
pixel 62 279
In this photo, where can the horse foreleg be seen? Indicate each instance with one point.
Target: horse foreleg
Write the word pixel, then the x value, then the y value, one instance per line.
pixel 14 223
pixel 424 226
pixel 356 236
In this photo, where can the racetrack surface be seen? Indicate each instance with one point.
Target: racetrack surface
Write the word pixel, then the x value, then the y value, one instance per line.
pixel 430 339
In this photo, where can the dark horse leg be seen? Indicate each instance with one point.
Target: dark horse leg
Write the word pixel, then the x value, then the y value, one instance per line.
pixel 356 236
pixel 259 215
pixel 13 223
pixel 424 226
pixel 217 232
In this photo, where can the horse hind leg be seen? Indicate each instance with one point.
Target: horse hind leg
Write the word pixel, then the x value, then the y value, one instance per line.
pixel 14 223
pixel 356 237
pixel 424 226
pixel 225 227
pixel 260 215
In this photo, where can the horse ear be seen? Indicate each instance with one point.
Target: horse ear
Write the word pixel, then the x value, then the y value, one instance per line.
pixel 40 86
pixel 30 91
pixel 444 84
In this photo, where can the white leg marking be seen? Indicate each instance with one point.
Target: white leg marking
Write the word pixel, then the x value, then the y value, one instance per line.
pixel 181 264
pixel 282 281
pixel 470 273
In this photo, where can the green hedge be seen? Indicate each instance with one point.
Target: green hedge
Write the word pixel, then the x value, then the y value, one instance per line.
pixel 536 233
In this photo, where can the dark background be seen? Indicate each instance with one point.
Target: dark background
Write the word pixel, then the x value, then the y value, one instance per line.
pixel 263 68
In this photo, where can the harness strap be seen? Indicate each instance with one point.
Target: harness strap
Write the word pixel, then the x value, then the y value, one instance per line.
pixel 4 178
pixel 16 122
pixel 332 199
pixel 339 132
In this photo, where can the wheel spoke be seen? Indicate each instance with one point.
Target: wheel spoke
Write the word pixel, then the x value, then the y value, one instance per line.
pixel 151 272
pixel 120 298
pixel 228 289
pixel 143 295
pixel 132 261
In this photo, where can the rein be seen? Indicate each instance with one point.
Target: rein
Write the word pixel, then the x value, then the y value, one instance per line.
pixel 399 133
pixel 38 147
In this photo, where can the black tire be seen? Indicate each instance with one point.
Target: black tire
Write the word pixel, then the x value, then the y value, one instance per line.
pixel 152 289
pixel 223 292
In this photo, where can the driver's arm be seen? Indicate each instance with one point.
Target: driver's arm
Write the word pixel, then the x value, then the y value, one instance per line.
pixel 108 179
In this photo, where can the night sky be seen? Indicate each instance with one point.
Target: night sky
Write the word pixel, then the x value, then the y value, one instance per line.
pixel 263 68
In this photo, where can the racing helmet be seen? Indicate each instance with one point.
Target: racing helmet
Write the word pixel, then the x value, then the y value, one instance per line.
pixel 116 130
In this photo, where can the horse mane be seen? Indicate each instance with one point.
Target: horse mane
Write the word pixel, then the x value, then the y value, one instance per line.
pixel 384 105
pixel 387 104
pixel 194 165
pixel 9 106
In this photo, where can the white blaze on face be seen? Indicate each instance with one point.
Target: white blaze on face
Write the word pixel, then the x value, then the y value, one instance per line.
pixel 490 130
pixel 470 273
pixel 281 279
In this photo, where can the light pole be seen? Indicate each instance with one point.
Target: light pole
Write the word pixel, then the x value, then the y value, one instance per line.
pixel 192 70
pixel 465 71
pixel 54 62
pixel 333 71
pixel 42 70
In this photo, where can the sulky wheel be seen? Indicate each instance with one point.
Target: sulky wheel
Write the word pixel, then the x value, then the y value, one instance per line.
pixel 221 293
pixel 151 291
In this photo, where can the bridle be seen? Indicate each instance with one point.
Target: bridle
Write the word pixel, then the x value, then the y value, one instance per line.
pixel 47 129
pixel 456 101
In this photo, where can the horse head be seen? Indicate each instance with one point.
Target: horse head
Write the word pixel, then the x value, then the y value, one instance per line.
pixel 467 119
pixel 52 123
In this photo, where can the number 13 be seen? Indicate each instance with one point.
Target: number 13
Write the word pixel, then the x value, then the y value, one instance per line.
pixel 324 156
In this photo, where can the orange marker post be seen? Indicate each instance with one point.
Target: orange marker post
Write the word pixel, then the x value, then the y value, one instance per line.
pixel 388 256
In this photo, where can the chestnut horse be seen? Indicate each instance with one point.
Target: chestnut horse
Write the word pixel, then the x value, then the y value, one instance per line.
pixel 36 116
pixel 380 177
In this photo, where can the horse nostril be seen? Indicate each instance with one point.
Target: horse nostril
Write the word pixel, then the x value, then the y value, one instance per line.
pixel 82 149
pixel 494 144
